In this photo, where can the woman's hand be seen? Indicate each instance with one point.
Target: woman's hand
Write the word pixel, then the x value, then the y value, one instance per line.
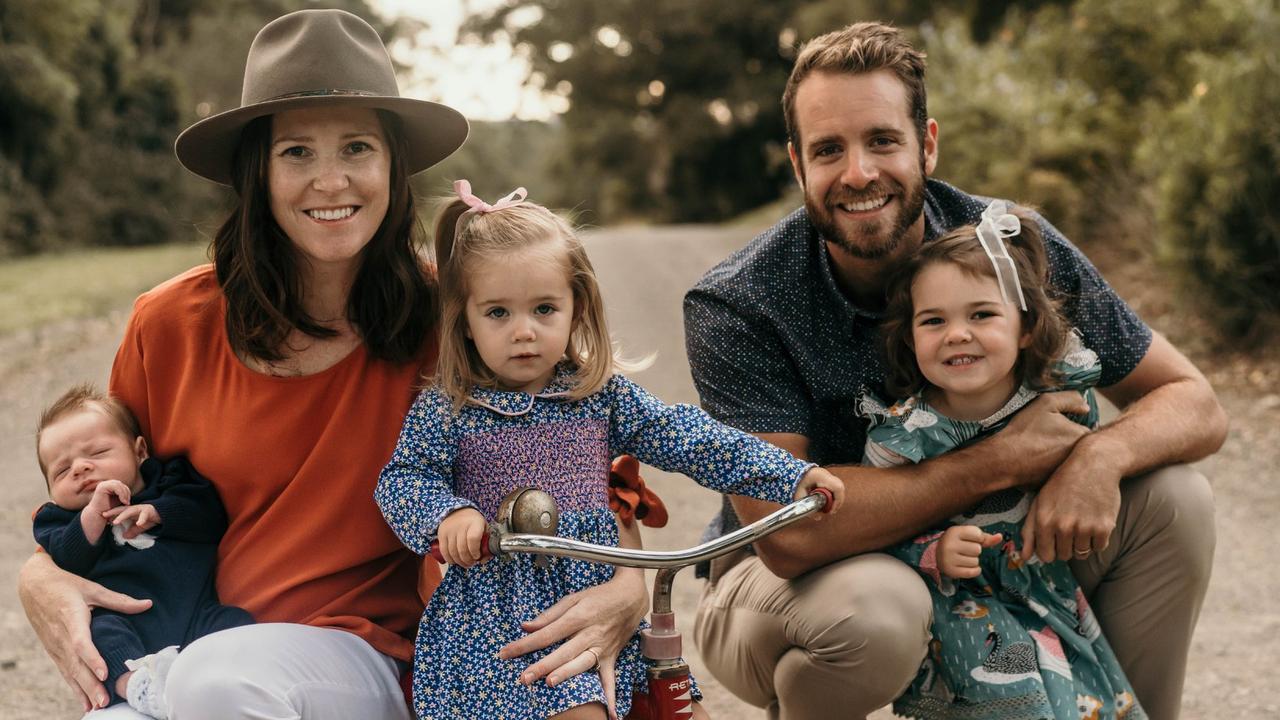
pixel 595 624
pixel 461 535
pixel 57 604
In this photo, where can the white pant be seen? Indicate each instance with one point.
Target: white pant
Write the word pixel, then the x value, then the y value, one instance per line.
pixel 277 671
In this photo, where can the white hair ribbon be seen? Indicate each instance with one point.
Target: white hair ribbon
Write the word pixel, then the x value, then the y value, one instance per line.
pixel 998 223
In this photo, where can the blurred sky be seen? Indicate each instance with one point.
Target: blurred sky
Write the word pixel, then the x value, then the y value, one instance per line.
pixel 481 82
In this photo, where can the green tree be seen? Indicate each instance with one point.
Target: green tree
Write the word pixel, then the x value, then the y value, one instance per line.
pixel 672 105
pixel 92 96
pixel 673 108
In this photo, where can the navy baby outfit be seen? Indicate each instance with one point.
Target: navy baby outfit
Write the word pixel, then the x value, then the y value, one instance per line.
pixel 176 573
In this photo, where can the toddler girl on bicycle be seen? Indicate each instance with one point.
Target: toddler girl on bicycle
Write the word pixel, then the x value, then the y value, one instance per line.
pixel 971 337
pixel 526 394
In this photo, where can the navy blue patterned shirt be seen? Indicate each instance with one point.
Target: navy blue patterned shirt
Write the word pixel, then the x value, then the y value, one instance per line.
pixel 775 347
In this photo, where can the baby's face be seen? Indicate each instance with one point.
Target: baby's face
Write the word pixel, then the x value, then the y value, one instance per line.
pixel 83 448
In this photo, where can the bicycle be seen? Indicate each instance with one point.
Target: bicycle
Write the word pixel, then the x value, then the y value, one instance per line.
pixel 526 523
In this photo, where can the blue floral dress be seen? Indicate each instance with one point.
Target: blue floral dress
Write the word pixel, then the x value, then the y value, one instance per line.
pixel 1018 642
pixel 504 440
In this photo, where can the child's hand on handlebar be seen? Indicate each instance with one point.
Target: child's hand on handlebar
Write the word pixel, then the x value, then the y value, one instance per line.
pixel 817 477
pixel 461 534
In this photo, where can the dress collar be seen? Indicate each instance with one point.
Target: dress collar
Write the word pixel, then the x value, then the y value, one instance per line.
pixel 514 403
pixel 1023 396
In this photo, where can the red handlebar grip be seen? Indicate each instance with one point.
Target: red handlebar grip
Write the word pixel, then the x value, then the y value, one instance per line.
pixel 826 495
pixel 484 549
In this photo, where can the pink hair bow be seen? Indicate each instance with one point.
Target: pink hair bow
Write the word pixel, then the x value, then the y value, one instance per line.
pixel 463 189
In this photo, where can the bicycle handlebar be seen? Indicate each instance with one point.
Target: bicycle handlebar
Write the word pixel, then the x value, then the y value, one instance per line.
pixel 820 500
pixel 625 557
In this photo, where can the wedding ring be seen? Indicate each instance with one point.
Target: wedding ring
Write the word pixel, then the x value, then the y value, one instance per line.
pixel 1083 553
pixel 595 656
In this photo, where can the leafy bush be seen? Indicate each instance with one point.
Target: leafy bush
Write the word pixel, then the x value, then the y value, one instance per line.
pixel 23 217
pixel 1009 126
pixel 1216 160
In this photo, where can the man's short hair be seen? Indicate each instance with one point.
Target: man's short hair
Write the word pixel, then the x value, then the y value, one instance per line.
pixel 86 397
pixel 860 48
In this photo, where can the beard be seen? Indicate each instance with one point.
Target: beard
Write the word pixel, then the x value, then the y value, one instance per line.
pixel 871 240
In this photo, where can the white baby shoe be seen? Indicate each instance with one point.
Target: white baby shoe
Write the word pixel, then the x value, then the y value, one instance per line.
pixel 145 691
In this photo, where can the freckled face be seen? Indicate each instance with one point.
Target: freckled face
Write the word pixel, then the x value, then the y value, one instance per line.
pixel 861 162
pixel 967 339
pixel 520 315
pixel 83 448
pixel 329 178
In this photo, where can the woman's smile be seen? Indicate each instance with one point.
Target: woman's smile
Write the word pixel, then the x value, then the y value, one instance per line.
pixel 332 216
pixel 329 178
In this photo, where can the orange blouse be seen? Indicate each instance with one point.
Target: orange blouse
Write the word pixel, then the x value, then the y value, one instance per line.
pixel 295 460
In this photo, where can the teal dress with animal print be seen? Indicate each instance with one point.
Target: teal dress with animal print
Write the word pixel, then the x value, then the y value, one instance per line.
pixel 1018 642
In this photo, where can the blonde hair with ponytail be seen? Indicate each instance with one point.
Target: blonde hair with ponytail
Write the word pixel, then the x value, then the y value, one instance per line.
pixel 486 236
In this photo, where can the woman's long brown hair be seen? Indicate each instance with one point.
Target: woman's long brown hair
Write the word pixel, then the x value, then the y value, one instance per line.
pixel 393 299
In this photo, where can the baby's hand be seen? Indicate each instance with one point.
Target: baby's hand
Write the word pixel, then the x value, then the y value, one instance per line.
pixel 107 495
pixel 816 477
pixel 959 548
pixel 461 534
pixel 136 519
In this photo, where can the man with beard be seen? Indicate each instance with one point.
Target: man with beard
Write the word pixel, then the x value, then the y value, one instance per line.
pixel 782 340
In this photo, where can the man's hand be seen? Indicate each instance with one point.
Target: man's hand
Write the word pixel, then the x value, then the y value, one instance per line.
pixel 1038 439
pixel 1076 509
pixel 136 519
pixel 960 548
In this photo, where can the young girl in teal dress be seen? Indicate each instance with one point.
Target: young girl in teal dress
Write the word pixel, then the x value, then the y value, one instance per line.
pixel 526 394
pixel 971 337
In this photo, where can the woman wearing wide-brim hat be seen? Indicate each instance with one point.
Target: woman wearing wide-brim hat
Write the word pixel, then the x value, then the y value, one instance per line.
pixel 283 372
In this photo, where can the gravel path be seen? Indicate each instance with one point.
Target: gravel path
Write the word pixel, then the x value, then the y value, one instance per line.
pixel 1233 671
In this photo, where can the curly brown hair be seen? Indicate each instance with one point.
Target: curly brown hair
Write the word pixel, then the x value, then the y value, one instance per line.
pixel 1042 320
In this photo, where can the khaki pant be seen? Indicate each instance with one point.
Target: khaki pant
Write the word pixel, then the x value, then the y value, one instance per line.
pixel 848 638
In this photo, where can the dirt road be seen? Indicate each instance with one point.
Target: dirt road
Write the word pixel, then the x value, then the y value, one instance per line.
pixel 644 272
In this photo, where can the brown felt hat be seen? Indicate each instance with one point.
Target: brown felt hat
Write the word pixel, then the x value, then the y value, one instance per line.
pixel 314 58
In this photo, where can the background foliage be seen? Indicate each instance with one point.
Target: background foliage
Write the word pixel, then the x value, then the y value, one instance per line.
pixel 1150 123
pixel 1153 124
pixel 92 95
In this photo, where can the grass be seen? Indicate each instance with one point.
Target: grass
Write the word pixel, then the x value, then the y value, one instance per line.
pixel 46 289
pixel 85 283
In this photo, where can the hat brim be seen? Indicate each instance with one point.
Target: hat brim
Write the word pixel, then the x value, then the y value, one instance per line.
pixel 432 131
